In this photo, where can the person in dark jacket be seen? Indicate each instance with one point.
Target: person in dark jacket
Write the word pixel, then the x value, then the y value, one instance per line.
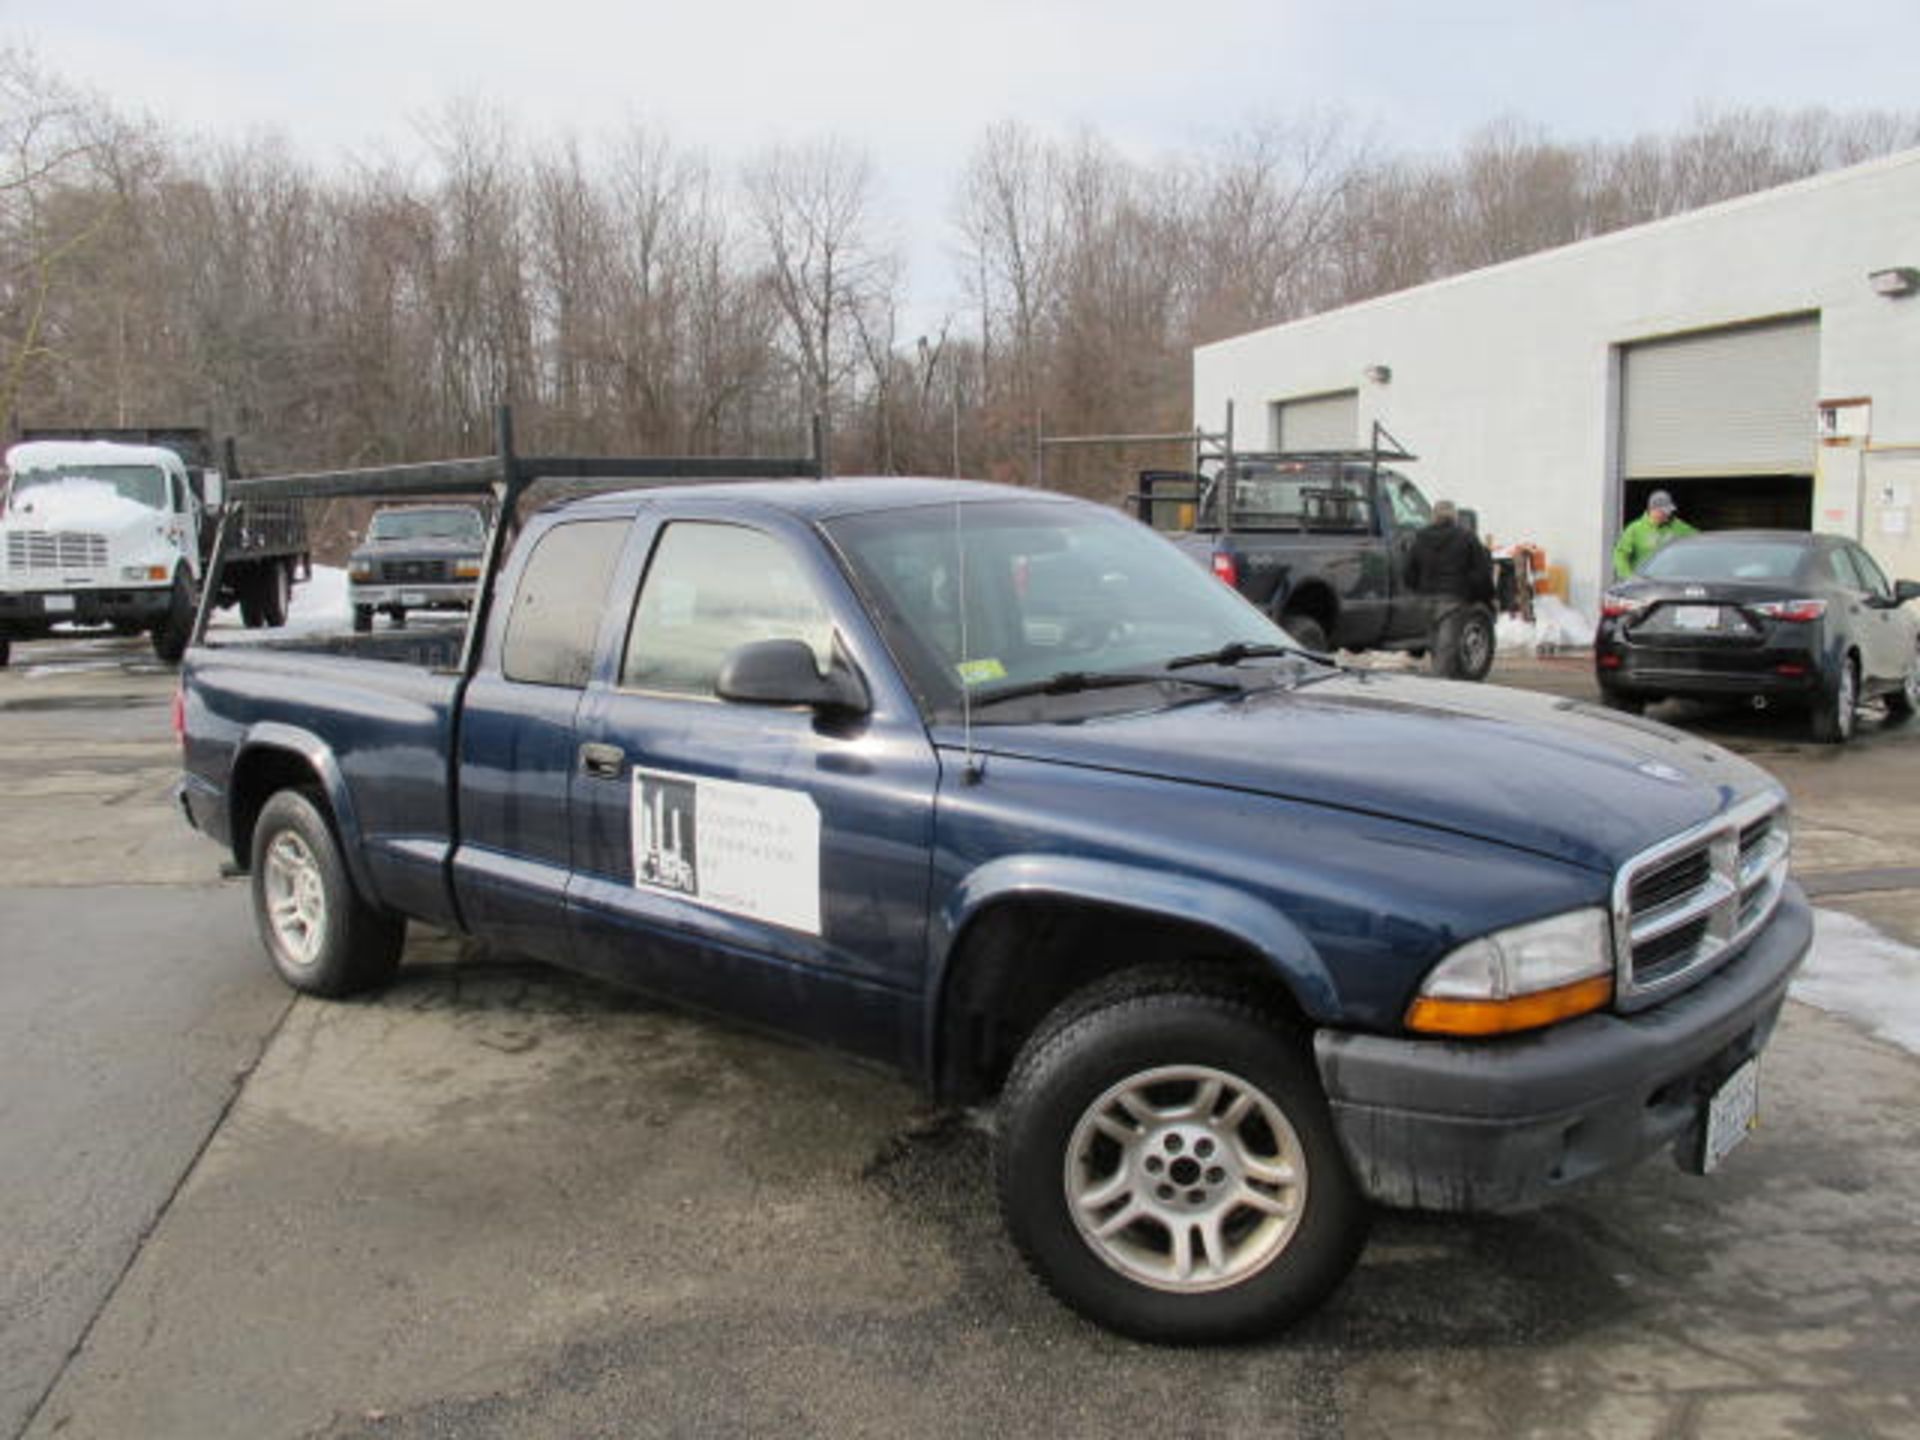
pixel 1452 572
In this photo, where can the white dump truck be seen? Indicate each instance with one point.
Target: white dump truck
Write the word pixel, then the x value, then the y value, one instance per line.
pixel 113 530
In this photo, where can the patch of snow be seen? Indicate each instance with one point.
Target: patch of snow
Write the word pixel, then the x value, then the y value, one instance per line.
pixel 79 504
pixel 319 606
pixel 1870 978
pixel 57 454
pixel 1555 626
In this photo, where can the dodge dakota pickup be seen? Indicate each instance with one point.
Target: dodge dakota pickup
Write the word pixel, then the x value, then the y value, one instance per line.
pixel 998 789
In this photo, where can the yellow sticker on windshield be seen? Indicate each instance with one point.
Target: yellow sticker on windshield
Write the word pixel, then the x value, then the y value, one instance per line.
pixel 979 672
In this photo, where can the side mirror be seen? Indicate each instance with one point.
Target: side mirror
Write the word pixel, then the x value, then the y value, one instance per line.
pixel 782 672
pixel 1905 590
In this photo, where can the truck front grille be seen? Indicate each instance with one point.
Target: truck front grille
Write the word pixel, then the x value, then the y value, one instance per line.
pixel 415 572
pixel 1682 906
pixel 30 551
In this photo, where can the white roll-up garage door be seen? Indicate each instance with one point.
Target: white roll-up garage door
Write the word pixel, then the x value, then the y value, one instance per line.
pixel 1722 402
pixel 1318 422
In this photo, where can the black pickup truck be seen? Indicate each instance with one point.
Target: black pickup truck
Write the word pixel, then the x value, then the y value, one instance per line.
pixel 1319 540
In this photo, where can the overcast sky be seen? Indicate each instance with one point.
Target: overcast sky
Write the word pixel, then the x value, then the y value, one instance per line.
pixel 916 83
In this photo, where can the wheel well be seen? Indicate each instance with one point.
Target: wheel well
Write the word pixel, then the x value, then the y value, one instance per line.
pixel 260 775
pixel 1017 962
pixel 1313 600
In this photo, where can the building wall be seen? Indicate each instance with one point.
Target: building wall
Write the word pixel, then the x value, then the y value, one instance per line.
pixel 1505 381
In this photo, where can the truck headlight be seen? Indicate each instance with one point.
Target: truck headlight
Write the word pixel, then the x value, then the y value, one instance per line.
pixel 358 569
pixel 1519 979
pixel 144 572
pixel 466 569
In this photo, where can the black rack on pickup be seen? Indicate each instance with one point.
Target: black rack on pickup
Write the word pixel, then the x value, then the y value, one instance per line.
pixel 504 478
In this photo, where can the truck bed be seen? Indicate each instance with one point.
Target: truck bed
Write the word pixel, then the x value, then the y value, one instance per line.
pixel 384 704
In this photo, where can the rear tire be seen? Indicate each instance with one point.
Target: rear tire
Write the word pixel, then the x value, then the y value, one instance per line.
pixel 1200 1115
pixel 321 935
pixel 276 591
pixel 1625 704
pixel 1836 705
pixel 1307 632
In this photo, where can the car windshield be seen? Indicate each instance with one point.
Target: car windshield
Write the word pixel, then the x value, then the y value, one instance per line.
pixel 143 484
pixel 464 525
pixel 989 595
pixel 1713 559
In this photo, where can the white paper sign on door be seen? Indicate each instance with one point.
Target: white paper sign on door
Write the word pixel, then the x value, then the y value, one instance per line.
pixel 751 850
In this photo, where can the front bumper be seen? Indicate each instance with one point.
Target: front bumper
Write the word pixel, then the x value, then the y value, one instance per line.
pixel 1513 1124
pixel 28 614
pixel 435 596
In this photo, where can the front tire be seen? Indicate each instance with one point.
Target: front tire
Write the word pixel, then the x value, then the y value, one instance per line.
pixel 321 935
pixel 1167 1167
pixel 171 635
pixel 1902 703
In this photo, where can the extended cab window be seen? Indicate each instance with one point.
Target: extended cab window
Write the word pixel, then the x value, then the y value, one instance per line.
pixel 709 589
pixel 557 609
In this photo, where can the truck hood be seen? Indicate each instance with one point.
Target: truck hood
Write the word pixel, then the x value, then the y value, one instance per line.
pixel 1561 778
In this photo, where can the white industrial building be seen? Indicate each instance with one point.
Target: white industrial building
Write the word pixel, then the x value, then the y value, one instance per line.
pixel 1760 359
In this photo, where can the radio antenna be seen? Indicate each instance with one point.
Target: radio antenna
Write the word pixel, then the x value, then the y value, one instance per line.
pixel 970 770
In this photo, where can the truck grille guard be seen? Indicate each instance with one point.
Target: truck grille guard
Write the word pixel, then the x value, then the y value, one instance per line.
pixel 1683 906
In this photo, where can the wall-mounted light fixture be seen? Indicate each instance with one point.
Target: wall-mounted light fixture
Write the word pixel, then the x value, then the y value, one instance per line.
pixel 1378 374
pixel 1895 281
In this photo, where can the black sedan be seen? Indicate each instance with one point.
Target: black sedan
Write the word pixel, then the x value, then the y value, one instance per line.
pixel 1770 617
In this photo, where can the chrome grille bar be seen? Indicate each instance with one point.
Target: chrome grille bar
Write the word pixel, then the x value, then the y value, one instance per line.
pixel 1682 906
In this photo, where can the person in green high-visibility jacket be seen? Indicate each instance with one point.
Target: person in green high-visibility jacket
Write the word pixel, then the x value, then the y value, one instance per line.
pixel 1638 542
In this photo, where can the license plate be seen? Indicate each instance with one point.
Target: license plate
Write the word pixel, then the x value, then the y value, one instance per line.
pixel 1731 1115
pixel 57 604
pixel 1696 617
pixel 412 597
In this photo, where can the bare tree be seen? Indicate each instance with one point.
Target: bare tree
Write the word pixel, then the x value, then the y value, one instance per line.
pixel 813 208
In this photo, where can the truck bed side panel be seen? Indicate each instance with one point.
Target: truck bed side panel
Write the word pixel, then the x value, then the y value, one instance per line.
pixel 387 731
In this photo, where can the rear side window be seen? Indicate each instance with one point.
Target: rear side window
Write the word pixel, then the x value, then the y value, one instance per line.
pixel 557 609
pixel 709 589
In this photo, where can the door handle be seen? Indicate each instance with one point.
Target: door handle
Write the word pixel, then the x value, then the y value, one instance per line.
pixel 604 762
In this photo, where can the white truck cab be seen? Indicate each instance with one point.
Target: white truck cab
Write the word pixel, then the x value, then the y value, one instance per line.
pixel 99 533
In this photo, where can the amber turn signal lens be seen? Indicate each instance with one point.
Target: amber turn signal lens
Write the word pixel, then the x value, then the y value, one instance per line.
pixel 1431 1016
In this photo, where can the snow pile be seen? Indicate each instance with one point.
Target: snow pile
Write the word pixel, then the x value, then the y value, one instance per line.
pixel 321 603
pixel 319 606
pixel 77 504
pixel 1555 626
pixel 1872 979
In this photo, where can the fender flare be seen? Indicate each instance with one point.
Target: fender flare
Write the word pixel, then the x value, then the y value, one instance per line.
pixel 1231 913
pixel 315 752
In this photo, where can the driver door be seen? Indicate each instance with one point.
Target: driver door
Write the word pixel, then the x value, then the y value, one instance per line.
pixel 769 862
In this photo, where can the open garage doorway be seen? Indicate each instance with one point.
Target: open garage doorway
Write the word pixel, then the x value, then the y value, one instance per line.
pixel 1730 502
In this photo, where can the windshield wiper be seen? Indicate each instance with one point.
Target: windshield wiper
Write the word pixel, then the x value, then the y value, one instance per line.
pixel 1073 682
pixel 1239 650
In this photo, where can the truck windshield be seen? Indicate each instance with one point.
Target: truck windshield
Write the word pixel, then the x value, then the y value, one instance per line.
pixel 462 525
pixel 143 484
pixel 1291 495
pixel 992 594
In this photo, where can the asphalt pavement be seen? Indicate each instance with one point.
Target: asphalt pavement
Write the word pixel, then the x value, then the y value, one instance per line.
pixel 501 1201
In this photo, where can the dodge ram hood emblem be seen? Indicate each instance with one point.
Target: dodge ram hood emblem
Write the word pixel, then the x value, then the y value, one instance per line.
pixel 1661 772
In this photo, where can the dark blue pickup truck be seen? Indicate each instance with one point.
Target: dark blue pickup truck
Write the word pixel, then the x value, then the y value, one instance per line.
pixel 999 789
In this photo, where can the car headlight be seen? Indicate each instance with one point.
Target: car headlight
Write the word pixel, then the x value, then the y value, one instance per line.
pixel 1519 979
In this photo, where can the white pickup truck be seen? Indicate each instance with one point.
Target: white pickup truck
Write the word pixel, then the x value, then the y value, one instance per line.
pixel 112 534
